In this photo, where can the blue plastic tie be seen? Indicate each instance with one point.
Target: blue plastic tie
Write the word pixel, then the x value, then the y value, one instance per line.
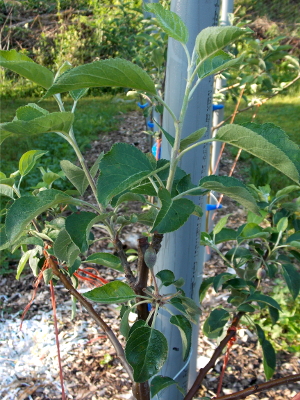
pixel 150 124
pixel 149 307
pixel 210 207
pixel 154 149
pixel 218 107
pixel 142 106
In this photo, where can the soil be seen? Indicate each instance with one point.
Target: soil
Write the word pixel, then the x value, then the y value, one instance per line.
pixel 91 369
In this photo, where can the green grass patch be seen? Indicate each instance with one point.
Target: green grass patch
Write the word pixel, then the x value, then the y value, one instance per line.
pixel 94 116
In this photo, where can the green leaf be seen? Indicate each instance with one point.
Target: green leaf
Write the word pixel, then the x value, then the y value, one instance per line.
pixel 169 138
pixel 112 292
pixel 274 314
pixel 26 67
pixel 124 325
pixel 106 259
pixel 258 297
pixel 122 167
pixel 160 382
pixel 77 94
pixel 6 190
pixel 231 187
pixel 78 226
pixel 29 159
pixel 24 209
pixel 206 283
pixel 191 309
pixel 214 324
pixel 225 235
pixel 30 112
pixel 166 276
pixel 269 359
pixel 269 355
pixel 282 224
pixel 252 230
pixel 220 224
pixel 54 122
pixel 129 196
pixel 247 308
pixel 220 279
pixel 22 263
pixel 192 138
pixel 292 278
pixel 169 22
pixel 213 39
pixel 47 275
pixel 65 249
pixel 146 351
pixel 216 63
pixel 173 214
pixel 185 329
pixel 137 324
pixel 75 175
pixel 113 72
pixel 267 142
pixel 287 190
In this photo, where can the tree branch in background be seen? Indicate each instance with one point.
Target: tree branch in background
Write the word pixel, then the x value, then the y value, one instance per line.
pixel 242 394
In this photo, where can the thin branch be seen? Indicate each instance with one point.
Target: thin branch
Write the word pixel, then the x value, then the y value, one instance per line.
pixel 253 105
pixel 217 353
pixel 242 394
pixel 143 271
pixel 96 317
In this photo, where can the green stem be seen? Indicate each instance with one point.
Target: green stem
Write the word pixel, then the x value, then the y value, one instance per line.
pixel 160 100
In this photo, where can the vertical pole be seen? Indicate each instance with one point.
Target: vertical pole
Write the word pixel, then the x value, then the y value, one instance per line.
pixel 180 250
pixel 218 115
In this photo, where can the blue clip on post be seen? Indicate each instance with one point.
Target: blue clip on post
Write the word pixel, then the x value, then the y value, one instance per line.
pixel 211 207
pixel 142 106
pixel 154 150
pixel 218 107
pixel 150 124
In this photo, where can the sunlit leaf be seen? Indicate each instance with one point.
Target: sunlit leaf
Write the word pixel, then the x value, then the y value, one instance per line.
pixel 106 259
pixel 112 292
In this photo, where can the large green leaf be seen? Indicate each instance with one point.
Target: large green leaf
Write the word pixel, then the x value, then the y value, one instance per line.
pixel 214 324
pixel 24 209
pixel 26 67
pixel 65 249
pixel 78 226
pixel 185 329
pixel 146 351
pixel 267 142
pixel 262 298
pixel 54 122
pixel 29 159
pixel 75 175
pixel 30 111
pixel 112 292
pixel 173 214
pixel 170 22
pixel 159 383
pixel 213 39
pixel 112 72
pixel 231 187
pixel 292 278
pixel 106 259
pixel 122 167
pixel 216 63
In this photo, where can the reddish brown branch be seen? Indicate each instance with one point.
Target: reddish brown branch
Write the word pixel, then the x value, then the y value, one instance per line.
pixel 242 394
pixel 96 317
pixel 203 371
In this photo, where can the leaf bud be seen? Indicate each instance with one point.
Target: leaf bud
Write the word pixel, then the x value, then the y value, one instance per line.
pixel 150 257
pixel 261 273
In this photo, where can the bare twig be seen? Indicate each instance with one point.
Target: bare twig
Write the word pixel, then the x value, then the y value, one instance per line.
pixel 96 317
pixel 242 394
pixel 143 272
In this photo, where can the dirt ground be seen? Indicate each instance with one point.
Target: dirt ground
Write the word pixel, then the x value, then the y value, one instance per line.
pixel 29 369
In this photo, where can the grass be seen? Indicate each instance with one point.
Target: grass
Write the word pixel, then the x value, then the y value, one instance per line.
pixel 282 111
pixel 94 116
